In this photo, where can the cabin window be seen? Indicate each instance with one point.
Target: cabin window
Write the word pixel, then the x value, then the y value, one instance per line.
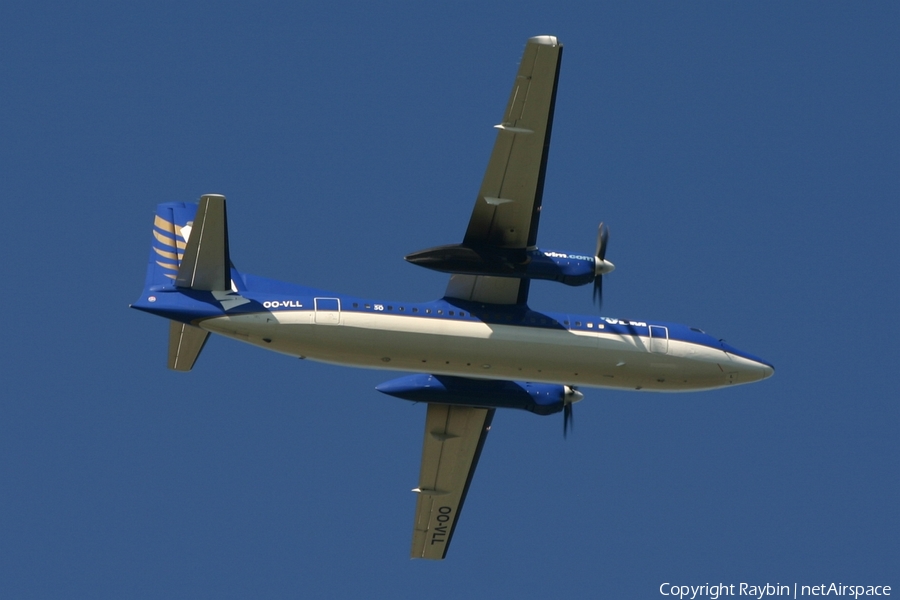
pixel 390 307
pixel 401 309
pixel 440 312
pixel 566 323
pixel 427 311
pixel 462 314
pixel 590 325
pixel 415 310
pixel 451 313
pixel 577 323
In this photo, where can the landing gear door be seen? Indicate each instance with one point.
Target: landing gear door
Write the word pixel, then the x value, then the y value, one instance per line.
pixel 659 339
pixel 328 311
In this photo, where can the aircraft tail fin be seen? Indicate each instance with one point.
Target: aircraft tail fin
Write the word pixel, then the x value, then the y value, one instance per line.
pixel 190 246
pixel 169 242
pixel 189 250
pixel 205 264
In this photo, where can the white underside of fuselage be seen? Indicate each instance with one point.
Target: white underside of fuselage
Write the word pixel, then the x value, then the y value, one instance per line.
pixel 489 351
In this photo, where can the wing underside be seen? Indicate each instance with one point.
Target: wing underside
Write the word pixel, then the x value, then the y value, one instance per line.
pixel 505 218
pixel 508 207
pixel 454 436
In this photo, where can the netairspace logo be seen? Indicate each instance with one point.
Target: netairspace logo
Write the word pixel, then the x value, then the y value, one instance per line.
pixel 749 590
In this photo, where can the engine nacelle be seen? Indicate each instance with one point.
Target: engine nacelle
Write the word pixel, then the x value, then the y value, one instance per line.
pixel 551 265
pixel 539 398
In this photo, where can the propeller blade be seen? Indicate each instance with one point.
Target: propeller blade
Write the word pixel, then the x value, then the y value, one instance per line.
pixel 602 265
pixel 567 418
pixel 598 291
pixel 602 239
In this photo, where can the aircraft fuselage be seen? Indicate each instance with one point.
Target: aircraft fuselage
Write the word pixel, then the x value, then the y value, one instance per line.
pixel 477 341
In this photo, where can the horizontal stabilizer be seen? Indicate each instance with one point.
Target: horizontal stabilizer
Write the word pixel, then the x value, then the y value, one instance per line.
pixel 185 343
pixel 206 264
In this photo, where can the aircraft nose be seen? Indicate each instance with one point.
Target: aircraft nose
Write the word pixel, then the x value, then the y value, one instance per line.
pixel 756 372
pixel 745 369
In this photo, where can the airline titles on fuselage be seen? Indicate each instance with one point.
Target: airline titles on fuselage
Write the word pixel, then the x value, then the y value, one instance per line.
pixel 554 254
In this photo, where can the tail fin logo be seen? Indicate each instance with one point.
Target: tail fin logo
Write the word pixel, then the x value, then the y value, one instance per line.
pixel 170 241
pixel 171 229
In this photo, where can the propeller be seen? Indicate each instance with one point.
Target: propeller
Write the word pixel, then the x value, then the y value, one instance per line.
pixel 571 395
pixel 601 265
pixel 567 418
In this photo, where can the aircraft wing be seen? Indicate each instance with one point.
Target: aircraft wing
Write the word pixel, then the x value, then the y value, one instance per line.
pixel 454 436
pixel 508 206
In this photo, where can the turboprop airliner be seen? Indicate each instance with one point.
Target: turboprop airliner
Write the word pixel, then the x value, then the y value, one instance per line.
pixel 478 348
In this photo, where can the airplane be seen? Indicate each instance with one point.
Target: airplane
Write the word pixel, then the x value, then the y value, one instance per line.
pixel 478 348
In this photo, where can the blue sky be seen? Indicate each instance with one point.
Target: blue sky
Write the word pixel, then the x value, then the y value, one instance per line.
pixel 744 155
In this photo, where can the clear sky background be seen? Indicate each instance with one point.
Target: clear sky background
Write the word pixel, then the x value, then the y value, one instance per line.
pixel 744 155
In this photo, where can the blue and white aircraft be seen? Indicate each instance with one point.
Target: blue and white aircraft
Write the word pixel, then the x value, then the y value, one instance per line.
pixel 479 348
